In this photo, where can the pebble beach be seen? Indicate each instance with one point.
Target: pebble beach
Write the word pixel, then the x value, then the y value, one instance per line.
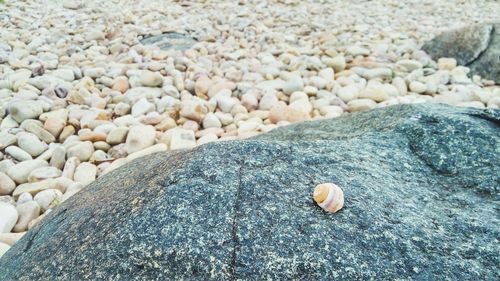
pixel 88 86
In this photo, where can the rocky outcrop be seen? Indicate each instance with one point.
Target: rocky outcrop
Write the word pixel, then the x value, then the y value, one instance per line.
pixel 421 202
pixel 475 46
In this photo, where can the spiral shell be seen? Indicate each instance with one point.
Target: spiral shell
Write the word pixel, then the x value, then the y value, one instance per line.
pixel 329 197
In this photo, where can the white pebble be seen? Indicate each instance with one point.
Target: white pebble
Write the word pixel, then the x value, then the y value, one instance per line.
pixel 348 93
pixel 211 120
pixel 140 137
pixel 8 217
pixel 31 144
pixel 417 87
pixel 85 173
pixel 182 139
pixel 292 85
pixel 151 79
pixel 48 198
pixel 20 172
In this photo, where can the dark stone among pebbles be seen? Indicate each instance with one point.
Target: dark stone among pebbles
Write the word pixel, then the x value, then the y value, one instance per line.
pixel 476 46
pixel 421 203
pixel 171 40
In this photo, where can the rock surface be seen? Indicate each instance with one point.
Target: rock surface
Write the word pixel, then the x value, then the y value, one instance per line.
pixel 421 197
pixel 476 46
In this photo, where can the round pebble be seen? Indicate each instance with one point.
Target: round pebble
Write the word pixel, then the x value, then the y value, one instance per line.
pixel 8 217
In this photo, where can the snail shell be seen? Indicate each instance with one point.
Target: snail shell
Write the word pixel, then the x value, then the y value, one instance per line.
pixel 329 197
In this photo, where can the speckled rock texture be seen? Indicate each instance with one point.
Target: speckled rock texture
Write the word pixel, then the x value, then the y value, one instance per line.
pixel 421 203
pixel 475 46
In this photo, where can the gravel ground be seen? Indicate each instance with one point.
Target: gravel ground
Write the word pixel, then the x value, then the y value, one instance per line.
pixel 80 95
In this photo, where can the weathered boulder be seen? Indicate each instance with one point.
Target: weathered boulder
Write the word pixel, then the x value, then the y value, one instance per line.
pixel 475 46
pixel 421 202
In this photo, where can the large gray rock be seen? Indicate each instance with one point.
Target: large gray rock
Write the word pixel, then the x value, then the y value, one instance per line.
pixel 421 202
pixel 475 46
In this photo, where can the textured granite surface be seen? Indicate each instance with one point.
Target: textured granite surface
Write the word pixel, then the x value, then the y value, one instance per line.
pixel 421 203
pixel 475 46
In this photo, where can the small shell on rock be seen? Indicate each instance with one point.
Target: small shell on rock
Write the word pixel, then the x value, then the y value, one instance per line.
pixel 329 196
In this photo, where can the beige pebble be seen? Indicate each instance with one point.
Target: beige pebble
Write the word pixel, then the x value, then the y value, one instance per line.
pixel 211 120
pixel 191 125
pixel 37 129
pixel 193 110
pixel 447 63
pixel 338 63
pixel 35 187
pixel 117 135
pixel 400 85
pixel 3 249
pixel 216 131
pixel 159 147
pixel 93 137
pixel 140 137
pixel 101 145
pixel 82 150
pixel 202 85
pixel 217 87
pixel 151 79
pixel 377 94
pixel 85 173
pixel 11 238
pixel 165 124
pixel 268 101
pixel 44 173
pixel 417 87
pixel 66 132
pixel 348 93
pixel 206 139
pixel 331 111
pixel 54 125
pixel 361 105
pixel 249 101
pixel 7 185
pixel 8 217
pixel 48 198
pixel 70 167
pixel 182 139
pixel 283 112
pixel 27 212
pixel 121 84
pixel 20 172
